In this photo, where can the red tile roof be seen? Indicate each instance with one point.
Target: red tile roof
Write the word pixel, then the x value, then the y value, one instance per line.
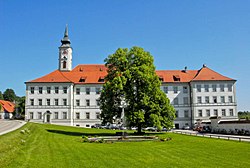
pixel 208 74
pixel 171 75
pixel 7 106
pixel 95 73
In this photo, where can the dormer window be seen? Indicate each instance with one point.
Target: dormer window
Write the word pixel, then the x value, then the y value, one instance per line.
pixel 82 79
pixel 176 78
pixel 161 78
pixel 101 79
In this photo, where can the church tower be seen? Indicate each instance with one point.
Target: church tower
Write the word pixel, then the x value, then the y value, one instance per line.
pixel 65 53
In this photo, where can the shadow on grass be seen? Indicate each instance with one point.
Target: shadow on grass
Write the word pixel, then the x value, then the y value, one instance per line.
pixel 97 134
pixel 80 133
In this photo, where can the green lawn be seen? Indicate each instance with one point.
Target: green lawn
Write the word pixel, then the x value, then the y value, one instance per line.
pixel 59 146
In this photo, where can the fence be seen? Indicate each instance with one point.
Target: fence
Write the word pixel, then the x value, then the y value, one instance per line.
pixel 218 136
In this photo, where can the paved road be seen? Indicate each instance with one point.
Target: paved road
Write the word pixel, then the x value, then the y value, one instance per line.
pixel 10 125
pixel 218 136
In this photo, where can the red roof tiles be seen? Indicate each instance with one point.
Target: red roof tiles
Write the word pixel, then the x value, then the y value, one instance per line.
pixel 206 73
pixel 93 74
pixel 7 106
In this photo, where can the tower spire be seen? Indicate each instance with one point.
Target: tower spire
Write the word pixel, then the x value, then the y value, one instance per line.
pixel 65 41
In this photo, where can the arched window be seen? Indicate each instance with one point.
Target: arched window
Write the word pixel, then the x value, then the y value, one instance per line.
pixel 64 64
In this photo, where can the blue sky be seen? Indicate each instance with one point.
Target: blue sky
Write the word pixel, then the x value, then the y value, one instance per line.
pixel 177 33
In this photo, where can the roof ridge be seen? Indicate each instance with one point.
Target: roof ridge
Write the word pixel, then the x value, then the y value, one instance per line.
pixel 66 77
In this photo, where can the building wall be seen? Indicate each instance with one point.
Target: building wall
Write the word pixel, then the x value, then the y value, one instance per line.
pixel 179 91
pixel 213 105
pixel 183 96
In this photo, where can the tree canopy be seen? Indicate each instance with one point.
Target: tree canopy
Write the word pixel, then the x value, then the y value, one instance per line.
pixel 131 74
pixel 9 95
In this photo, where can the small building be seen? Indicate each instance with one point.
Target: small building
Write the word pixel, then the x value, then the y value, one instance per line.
pixel 6 109
pixel 229 126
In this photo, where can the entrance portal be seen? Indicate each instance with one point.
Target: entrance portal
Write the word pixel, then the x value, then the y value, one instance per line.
pixel 47 117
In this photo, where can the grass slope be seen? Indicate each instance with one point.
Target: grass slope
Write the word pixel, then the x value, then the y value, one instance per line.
pixel 59 146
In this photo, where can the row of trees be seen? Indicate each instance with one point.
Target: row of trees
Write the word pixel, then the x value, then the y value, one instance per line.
pixel 244 115
pixel 9 95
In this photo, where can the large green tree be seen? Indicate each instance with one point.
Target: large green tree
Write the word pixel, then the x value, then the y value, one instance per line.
pixel 131 74
pixel 9 95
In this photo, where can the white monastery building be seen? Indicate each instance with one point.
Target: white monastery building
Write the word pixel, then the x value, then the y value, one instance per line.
pixel 69 96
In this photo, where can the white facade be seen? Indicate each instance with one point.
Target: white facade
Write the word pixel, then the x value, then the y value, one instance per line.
pixel 80 103
pixel 75 105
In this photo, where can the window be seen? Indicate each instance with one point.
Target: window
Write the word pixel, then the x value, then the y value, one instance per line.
pixel 176 101
pixel 222 99
pixel 208 112
pixel 222 87
pixel 82 79
pixel 55 115
pixel 65 90
pixel 87 91
pixel 39 115
pixel 77 115
pixel 97 90
pixel 101 79
pixel 231 112
pixel 64 115
pixel 87 115
pixel 165 89
pixel 77 91
pixel 32 102
pixel 56 102
pixel 32 90
pixel 77 102
pixel 207 99
pixel 185 100
pixel 64 64
pixel 40 90
pixel 97 115
pixel 56 90
pixel 40 102
pixel 65 102
pixel 198 88
pixel 97 102
pixel 31 115
pixel 186 115
pixel 214 88
pixel 87 102
pixel 229 87
pixel 175 89
pixel 206 88
pixel 223 112
pixel 215 112
pixel 185 89
pixel 48 102
pixel 48 90
pixel 199 113
pixel 215 99
pixel 199 100
pixel 176 113
pixel 230 99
